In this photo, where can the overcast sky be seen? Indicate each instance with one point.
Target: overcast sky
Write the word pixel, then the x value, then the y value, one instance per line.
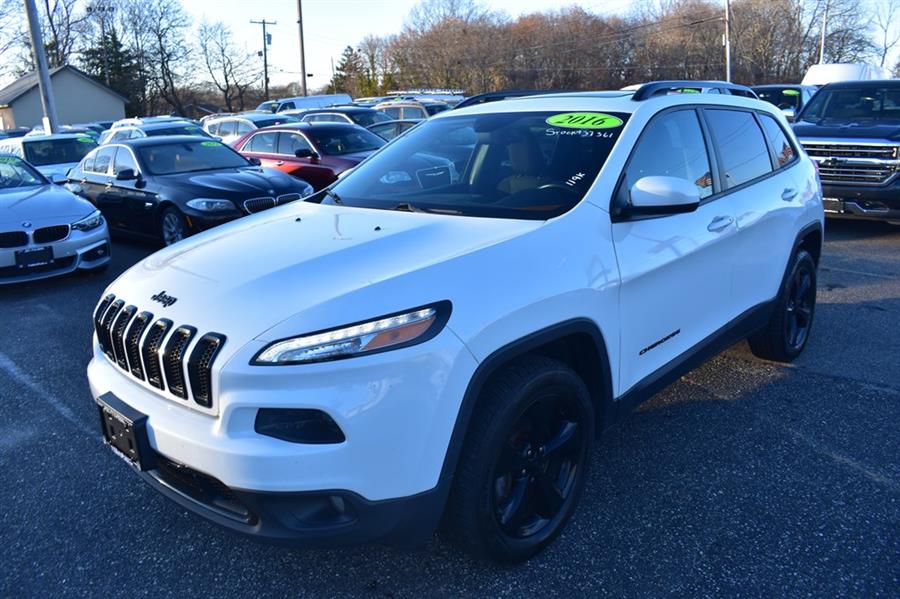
pixel 329 26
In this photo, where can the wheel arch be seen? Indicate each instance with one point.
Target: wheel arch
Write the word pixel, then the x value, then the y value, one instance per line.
pixel 579 343
pixel 810 238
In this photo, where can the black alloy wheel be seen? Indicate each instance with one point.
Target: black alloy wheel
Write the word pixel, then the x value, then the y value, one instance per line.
pixel 524 463
pixel 787 332
pixel 799 308
pixel 538 466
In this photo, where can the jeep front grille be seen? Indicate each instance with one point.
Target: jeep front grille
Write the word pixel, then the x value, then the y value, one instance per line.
pixel 157 352
pixel 854 163
pixel 173 360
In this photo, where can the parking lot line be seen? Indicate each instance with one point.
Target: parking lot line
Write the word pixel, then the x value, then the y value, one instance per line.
pixel 24 379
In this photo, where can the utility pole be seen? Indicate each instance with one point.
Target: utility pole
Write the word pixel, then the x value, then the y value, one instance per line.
pixel 727 40
pixel 51 123
pixel 265 53
pixel 302 51
pixel 824 30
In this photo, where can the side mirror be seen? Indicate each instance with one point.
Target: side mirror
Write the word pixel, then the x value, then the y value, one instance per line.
pixel 306 153
pixel 789 113
pixel 663 195
pixel 126 174
pixel 58 179
pixel 254 161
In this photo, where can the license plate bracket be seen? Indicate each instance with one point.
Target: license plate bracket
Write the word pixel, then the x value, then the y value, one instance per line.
pixel 32 257
pixel 125 432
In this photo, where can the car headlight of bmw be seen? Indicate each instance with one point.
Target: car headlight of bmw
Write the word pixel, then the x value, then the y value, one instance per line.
pixel 380 334
pixel 211 205
pixel 91 221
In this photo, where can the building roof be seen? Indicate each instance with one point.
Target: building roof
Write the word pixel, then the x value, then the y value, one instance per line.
pixel 26 83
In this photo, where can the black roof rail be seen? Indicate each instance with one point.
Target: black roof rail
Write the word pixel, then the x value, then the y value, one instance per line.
pixel 648 90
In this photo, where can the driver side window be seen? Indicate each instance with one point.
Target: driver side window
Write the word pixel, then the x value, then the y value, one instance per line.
pixel 289 143
pixel 672 145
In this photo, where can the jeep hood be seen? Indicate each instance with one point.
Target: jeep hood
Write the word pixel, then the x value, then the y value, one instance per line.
pixel 247 276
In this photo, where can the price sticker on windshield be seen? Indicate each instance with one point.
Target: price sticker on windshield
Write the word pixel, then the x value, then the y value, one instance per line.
pixel 84 140
pixel 210 144
pixel 790 92
pixel 584 120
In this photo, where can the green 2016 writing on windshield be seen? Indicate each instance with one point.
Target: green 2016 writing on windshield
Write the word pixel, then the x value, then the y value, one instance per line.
pixel 584 120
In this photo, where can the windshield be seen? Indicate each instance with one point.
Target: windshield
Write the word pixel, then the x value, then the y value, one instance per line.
pixel 369 118
pixel 862 103
pixel 188 157
pixel 178 130
pixel 433 109
pixel 527 165
pixel 782 97
pixel 57 151
pixel 270 106
pixel 350 140
pixel 15 172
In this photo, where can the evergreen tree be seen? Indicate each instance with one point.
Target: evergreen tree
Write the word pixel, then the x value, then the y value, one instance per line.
pixel 350 75
pixel 111 63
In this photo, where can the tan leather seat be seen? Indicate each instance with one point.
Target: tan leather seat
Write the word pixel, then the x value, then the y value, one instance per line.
pixel 525 162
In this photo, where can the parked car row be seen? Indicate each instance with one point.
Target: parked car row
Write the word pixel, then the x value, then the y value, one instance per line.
pixel 167 177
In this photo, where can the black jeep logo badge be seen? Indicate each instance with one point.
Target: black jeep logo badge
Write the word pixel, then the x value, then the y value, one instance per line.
pixel 165 300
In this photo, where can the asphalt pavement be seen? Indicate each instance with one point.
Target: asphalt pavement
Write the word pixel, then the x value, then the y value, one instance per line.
pixel 743 478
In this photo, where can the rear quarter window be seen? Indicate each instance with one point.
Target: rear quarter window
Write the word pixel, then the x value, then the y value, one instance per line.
pixel 784 150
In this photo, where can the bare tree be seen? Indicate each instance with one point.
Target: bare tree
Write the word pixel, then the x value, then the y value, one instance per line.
pixel 887 33
pixel 231 69
pixel 64 25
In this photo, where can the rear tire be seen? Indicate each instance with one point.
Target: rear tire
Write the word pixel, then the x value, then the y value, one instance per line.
pixel 787 332
pixel 524 463
pixel 172 226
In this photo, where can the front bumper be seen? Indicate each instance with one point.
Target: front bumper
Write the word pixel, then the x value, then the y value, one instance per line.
pixel 396 409
pixel 862 202
pixel 83 250
pixel 313 519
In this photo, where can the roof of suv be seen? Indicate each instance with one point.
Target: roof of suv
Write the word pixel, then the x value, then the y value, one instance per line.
pixel 605 101
pixel 341 109
pixel 863 84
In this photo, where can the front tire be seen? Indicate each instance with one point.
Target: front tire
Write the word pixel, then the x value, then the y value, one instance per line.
pixel 787 332
pixel 172 226
pixel 524 463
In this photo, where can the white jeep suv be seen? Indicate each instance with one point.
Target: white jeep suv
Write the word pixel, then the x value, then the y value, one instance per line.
pixel 422 343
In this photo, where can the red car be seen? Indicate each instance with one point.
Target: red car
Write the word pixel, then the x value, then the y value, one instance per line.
pixel 314 152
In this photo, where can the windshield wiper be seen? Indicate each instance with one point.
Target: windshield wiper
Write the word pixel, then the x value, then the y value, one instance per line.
pixel 335 198
pixel 407 207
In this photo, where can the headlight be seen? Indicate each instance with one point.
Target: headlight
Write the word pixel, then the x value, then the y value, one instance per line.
pixel 307 191
pixel 91 221
pixel 209 205
pixel 389 332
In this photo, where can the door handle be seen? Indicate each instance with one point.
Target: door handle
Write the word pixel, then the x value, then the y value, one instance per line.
pixel 279 163
pixel 719 223
pixel 788 194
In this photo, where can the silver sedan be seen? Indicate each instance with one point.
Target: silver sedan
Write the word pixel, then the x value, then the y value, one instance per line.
pixel 45 230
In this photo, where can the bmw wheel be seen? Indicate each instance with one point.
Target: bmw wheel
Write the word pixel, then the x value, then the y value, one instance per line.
pixel 173 227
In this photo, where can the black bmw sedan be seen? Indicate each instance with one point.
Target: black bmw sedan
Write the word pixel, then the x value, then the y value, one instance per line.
pixel 171 187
